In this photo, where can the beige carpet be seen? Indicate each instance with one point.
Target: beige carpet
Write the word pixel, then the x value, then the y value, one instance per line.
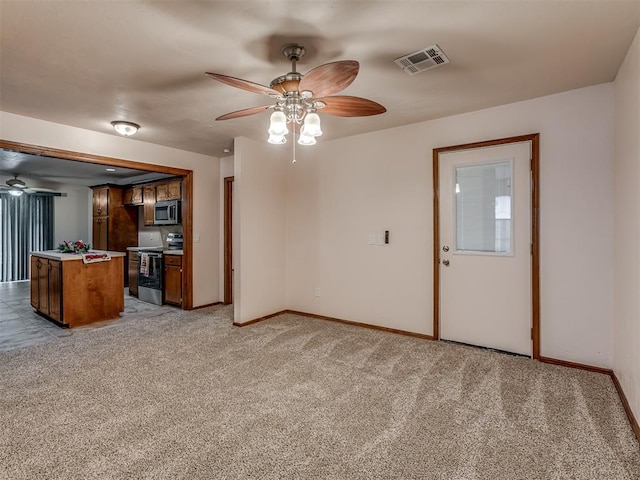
pixel 186 395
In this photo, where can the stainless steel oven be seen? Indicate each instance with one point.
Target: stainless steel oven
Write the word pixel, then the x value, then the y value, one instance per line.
pixel 151 268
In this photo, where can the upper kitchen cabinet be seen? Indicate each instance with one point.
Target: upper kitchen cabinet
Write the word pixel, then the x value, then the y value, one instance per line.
pixel 115 227
pixel 171 190
pixel 100 201
pixel 149 204
pixel 133 196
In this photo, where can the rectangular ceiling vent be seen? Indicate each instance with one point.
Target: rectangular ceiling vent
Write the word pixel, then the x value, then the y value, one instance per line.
pixel 425 59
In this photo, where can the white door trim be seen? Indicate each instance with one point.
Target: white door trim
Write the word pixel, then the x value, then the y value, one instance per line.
pixel 534 139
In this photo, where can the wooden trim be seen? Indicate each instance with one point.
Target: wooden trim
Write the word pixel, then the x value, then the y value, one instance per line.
pixel 535 244
pixel 228 240
pixel 616 383
pixel 187 249
pixel 627 408
pixel 359 324
pixel 338 320
pixel 187 203
pixel 260 319
pixel 90 158
pixel 534 138
pixel 579 366
pixel 436 245
pixel 207 305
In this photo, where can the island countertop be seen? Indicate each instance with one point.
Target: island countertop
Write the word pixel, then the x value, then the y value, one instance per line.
pixel 58 255
pixel 73 293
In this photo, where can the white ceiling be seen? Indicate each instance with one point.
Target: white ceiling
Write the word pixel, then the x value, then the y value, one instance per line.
pixel 86 63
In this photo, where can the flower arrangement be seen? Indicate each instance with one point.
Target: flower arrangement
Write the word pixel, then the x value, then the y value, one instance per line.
pixel 74 247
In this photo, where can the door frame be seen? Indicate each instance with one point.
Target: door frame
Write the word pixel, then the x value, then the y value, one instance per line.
pixel 187 197
pixel 534 138
pixel 228 240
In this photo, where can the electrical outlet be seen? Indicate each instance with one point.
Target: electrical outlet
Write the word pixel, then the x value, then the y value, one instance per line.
pixel 317 291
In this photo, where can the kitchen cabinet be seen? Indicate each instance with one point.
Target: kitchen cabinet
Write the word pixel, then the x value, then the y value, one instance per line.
pixel 115 226
pixel 149 204
pixel 173 279
pixel 134 264
pixel 100 232
pixel 171 190
pixel 133 196
pixel 46 287
pixel 100 201
pixel 70 292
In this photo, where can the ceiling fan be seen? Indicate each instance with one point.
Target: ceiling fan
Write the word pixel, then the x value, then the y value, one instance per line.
pixel 300 97
pixel 17 187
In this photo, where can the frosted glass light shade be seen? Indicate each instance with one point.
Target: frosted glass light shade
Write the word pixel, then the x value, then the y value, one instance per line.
pixel 16 192
pixel 125 128
pixel 312 124
pixel 278 124
pixel 306 139
pixel 277 139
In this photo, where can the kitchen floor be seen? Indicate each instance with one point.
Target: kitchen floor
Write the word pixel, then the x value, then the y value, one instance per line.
pixel 20 326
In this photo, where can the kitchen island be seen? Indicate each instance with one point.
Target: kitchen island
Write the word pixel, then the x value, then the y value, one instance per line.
pixel 71 292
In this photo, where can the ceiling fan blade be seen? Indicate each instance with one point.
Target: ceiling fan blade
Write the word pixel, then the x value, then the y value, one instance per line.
pixel 330 78
pixel 243 113
pixel 347 106
pixel 243 84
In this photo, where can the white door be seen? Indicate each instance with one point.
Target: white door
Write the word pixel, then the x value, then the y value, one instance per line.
pixel 485 247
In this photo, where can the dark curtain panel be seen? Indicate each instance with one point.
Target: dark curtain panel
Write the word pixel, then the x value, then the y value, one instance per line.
pixel 26 224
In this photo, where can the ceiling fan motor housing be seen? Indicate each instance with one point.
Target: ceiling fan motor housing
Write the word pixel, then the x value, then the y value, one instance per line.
pixel 15 183
pixel 286 83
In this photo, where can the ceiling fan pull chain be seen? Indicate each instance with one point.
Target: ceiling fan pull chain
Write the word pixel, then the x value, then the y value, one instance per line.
pixel 294 144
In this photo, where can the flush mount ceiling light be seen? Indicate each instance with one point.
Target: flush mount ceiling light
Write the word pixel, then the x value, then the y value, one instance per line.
pixel 299 98
pixel 125 128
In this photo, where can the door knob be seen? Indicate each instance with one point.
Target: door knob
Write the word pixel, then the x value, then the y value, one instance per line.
pixel 445 263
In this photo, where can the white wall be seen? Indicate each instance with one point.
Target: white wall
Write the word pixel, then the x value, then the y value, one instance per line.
pixel 259 230
pixel 626 326
pixel 72 214
pixel 205 182
pixel 364 184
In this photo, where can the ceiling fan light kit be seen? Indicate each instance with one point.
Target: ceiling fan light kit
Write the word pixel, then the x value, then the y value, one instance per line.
pixel 299 98
pixel 126 129
pixel 17 187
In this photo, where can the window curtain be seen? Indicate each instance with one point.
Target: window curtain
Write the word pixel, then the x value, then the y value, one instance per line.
pixel 26 224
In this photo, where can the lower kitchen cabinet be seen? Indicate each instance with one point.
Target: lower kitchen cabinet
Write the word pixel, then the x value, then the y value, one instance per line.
pixel 46 287
pixel 173 279
pixel 72 293
pixel 133 269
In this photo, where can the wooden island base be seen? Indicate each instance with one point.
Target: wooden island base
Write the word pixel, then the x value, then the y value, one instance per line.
pixel 72 293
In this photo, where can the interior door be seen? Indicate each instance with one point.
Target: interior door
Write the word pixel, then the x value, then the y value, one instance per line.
pixel 486 246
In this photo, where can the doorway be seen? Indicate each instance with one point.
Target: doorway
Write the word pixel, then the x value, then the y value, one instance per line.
pixel 486 260
pixel 228 240
pixel 187 201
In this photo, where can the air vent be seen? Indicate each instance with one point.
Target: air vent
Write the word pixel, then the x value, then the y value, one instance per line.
pixel 425 59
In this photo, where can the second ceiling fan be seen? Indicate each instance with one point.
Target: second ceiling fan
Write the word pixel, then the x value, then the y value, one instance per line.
pixel 300 97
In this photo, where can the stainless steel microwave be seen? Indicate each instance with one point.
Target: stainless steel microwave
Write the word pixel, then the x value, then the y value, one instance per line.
pixel 167 213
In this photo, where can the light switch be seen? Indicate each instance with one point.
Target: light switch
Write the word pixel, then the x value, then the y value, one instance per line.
pixel 372 239
pixel 196 238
